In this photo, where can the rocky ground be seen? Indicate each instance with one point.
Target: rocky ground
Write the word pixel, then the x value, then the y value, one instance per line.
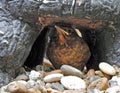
pixel 67 79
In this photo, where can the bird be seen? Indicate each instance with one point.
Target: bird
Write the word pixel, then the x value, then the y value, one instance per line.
pixel 67 47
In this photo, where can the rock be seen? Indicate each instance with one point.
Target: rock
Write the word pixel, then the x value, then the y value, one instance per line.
pixel 1 32
pixel 69 70
pixel 100 84
pixel 34 75
pixel 30 84
pixel 22 82
pixel 3 89
pixel 106 68
pixel 73 91
pixel 93 78
pixel 56 86
pixel 22 77
pixel 53 77
pixel 113 89
pixel 73 82
pixel 31 90
pixel 91 73
pixel 15 86
pixel 54 72
pixel 50 90
pixel 115 79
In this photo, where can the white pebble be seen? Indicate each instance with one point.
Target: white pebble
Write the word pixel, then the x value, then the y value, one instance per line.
pixel 34 75
pixel 14 86
pixel 116 79
pixel 30 84
pixel 107 68
pixel 3 89
pixel 114 89
pixel 73 82
pixel 69 70
pixel 53 77
pixel 22 81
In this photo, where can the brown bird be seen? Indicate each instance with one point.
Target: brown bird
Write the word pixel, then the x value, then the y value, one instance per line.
pixel 68 48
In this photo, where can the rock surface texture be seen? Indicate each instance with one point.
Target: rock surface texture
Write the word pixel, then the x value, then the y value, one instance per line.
pixel 18 31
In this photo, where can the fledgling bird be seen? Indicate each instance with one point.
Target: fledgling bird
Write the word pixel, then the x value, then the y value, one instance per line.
pixel 68 47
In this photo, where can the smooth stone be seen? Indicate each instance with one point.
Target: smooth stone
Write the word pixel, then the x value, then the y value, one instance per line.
pixel 53 77
pixel 34 75
pixel 3 89
pixel 30 84
pixel 69 70
pixel 22 77
pixel 15 86
pixel 107 68
pixel 113 89
pixel 22 81
pixel 73 91
pixel 57 86
pixel 32 90
pixel 73 82
pixel 116 79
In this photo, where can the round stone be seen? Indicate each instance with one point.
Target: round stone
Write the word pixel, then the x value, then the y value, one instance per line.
pixel 73 82
pixel 107 68
pixel 34 75
pixel 69 70
pixel 53 77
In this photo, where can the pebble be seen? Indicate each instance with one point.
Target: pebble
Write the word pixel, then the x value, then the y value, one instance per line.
pixel 114 89
pixel 32 90
pixel 30 84
pixel 56 86
pixel 116 79
pixel 106 68
pixel 100 84
pixel 72 91
pixel 56 81
pixel 34 75
pixel 15 86
pixel 3 89
pixel 53 77
pixel 54 72
pixel 69 70
pixel 73 82
pixel 22 77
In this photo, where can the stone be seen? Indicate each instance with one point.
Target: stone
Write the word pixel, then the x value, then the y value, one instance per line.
pixel 73 91
pixel 69 70
pixel 34 75
pixel 115 79
pixel 73 82
pixel 56 86
pixel 15 86
pixel 113 89
pixel 53 77
pixel 107 68
pixel 22 77
pixel 30 84
pixel 3 89
pixel 100 84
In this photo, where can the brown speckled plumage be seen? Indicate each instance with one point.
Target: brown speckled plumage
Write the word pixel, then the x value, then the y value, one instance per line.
pixel 68 48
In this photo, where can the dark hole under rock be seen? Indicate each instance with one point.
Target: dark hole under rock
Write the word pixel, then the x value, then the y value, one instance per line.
pixel 37 52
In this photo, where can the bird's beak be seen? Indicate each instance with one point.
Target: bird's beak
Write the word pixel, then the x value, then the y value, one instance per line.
pixel 61 34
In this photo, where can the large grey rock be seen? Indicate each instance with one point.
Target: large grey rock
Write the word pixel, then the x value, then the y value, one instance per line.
pixel 16 39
